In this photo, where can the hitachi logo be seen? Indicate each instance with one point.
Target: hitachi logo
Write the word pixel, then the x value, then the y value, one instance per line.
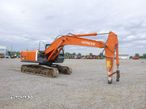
pixel 88 43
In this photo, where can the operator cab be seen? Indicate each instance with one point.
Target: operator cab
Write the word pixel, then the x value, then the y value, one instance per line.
pixel 47 45
pixel 42 58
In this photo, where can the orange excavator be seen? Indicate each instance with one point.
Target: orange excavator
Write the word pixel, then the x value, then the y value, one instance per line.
pixel 54 53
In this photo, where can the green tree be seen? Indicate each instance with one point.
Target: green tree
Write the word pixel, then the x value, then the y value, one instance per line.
pixel 79 54
pixel 74 54
pixel 90 54
pixel 137 55
pixel 144 55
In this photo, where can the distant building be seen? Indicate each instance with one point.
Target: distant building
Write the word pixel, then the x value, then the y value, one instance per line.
pixel 3 51
pixel 123 56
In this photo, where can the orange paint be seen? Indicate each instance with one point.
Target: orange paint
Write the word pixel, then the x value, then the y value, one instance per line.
pixel 110 46
pixel 29 56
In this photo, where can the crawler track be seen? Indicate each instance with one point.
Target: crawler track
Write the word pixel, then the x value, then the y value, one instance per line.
pixel 50 71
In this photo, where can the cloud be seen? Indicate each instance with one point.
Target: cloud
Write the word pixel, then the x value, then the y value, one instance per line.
pixel 24 23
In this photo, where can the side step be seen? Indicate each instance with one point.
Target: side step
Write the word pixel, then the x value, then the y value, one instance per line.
pixel 50 71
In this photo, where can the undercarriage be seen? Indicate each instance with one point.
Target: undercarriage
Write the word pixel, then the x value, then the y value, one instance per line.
pixel 50 71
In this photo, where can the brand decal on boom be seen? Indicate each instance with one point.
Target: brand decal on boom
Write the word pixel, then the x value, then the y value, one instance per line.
pixel 88 43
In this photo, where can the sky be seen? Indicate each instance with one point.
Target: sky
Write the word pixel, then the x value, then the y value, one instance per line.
pixel 25 23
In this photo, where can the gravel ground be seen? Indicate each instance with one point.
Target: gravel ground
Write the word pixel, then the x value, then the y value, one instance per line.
pixel 85 88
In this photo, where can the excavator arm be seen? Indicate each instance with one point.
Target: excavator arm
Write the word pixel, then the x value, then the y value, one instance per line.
pixel 52 51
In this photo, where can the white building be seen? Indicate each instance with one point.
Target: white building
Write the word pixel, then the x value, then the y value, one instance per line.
pixel 123 56
pixel 3 50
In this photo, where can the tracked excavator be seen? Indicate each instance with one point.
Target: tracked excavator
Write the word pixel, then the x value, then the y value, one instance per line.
pixel 54 53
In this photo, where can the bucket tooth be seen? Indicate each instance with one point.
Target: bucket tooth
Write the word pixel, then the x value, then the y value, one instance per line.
pixel 118 75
